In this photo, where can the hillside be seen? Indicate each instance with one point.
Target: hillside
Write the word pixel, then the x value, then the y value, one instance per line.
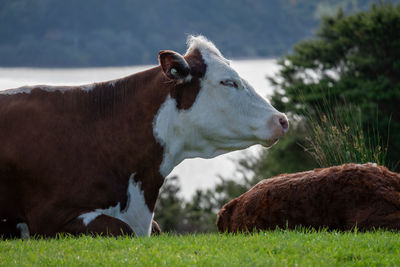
pixel 74 33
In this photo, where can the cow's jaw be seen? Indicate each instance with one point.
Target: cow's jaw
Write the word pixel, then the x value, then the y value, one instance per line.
pixel 182 139
pixel 235 119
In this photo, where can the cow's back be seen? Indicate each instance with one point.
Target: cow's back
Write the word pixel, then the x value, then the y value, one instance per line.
pixel 340 197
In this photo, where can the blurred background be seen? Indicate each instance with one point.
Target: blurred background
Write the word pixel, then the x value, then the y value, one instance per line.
pixel 74 33
pixel 332 66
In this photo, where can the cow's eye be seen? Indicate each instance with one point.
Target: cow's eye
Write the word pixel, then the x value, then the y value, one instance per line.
pixel 229 83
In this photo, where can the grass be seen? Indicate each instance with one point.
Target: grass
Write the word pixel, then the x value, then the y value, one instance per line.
pixel 276 248
pixel 338 135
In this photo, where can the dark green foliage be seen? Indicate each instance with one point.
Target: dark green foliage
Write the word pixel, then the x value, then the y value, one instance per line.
pixel 169 214
pixel 174 214
pixel 125 32
pixel 199 214
pixel 354 60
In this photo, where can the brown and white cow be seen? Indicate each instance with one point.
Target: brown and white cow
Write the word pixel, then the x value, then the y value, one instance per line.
pixel 91 159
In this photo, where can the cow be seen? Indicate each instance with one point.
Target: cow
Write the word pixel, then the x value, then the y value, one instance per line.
pixel 91 159
pixel 343 198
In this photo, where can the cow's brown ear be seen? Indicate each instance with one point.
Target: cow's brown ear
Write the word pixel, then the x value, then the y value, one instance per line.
pixel 174 65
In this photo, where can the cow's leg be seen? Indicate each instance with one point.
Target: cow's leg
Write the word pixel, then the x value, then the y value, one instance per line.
pixel 101 225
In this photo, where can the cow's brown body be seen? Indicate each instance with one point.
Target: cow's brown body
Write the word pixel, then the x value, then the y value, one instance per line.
pixel 343 197
pixel 67 152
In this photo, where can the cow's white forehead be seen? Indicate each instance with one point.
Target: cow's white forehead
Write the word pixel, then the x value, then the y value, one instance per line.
pixel 207 49
pixel 218 67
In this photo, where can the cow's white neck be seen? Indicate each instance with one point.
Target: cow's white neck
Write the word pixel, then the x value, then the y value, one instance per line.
pixel 178 139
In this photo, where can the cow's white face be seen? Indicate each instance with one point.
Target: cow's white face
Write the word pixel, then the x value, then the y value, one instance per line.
pixel 230 114
pixel 226 115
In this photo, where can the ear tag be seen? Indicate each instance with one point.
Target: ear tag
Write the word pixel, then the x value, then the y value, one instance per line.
pixel 173 71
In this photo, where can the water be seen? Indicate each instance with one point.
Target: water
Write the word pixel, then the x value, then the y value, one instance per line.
pixel 193 173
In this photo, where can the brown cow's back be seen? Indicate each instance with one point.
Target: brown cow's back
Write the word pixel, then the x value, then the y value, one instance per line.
pixel 341 197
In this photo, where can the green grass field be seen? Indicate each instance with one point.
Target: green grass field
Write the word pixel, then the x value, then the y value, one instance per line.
pixel 277 248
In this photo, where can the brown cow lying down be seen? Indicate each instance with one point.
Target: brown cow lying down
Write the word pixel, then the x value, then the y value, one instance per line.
pixel 340 198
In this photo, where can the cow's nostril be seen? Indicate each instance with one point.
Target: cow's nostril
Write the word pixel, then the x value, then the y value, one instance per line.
pixel 284 122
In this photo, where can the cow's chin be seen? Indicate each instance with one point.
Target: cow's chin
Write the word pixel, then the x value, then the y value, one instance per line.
pixel 245 143
pixel 269 143
pixel 233 145
pixel 268 138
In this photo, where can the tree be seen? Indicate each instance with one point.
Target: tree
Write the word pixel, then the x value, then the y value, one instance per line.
pixel 354 59
pixel 169 212
pixel 198 214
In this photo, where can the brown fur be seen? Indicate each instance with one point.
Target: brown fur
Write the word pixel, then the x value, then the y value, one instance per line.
pixel 66 153
pixel 155 228
pixel 340 198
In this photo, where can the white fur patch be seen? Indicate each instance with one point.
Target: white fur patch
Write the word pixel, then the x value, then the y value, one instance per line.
pixel 24 230
pixel 136 214
pixel 89 87
pixel 20 90
pixel 204 45
pixel 47 88
pixel 163 130
pixel 187 79
pixel 172 129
